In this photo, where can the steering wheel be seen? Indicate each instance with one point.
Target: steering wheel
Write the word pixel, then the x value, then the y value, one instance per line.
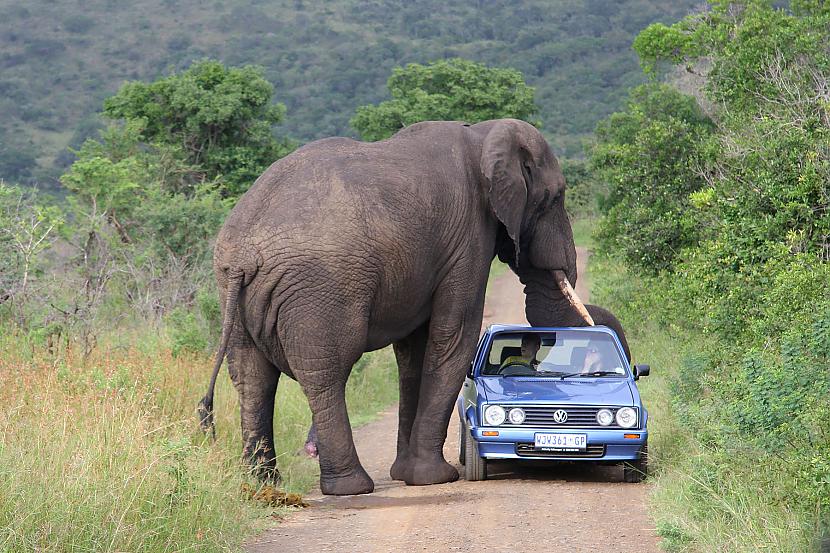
pixel 517 369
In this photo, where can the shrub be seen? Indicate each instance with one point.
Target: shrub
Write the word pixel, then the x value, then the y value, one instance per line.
pixel 186 334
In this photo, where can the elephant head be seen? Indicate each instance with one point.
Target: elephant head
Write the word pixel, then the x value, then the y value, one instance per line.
pixel 526 188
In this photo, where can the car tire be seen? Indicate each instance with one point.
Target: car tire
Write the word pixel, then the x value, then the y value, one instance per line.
pixel 636 471
pixel 475 467
pixel 462 443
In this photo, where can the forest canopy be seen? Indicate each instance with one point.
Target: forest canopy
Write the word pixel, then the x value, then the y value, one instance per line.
pixel 60 59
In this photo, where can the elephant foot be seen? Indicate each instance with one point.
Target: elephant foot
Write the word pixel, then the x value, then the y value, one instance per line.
pixel 423 472
pixel 399 468
pixel 354 484
pixel 263 467
pixel 266 474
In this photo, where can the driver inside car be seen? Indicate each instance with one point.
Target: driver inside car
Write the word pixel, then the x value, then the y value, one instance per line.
pixel 531 342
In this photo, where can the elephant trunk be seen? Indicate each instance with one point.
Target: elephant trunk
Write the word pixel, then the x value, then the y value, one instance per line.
pixel 570 294
pixel 551 301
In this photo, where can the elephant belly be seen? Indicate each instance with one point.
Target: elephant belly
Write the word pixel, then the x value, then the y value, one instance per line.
pixel 396 324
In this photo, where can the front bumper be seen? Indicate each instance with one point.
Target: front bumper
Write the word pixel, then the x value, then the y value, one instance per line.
pixel 603 445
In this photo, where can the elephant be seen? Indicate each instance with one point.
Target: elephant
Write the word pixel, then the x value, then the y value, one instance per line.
pixel 344 247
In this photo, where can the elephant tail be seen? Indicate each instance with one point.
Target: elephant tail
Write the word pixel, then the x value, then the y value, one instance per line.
pixel 205 408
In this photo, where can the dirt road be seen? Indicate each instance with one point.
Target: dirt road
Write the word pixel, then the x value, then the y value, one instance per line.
pixel 522 508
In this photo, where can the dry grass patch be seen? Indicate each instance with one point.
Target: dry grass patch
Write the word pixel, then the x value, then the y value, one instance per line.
pixel 104 454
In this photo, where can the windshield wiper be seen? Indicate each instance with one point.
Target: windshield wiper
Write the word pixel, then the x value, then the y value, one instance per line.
pixel 566 375
pixel 563 376
pixel 601 373
pixel 552 374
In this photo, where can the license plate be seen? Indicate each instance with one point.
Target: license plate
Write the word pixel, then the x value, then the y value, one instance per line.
pixel 561 442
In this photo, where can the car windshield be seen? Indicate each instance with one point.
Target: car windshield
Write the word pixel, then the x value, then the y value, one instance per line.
pixel 564 353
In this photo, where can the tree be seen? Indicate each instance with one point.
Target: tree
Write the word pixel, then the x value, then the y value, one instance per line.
pixel 27 229
pixel 446 90
pixel 141 237
pixel 220 118
pixel 651 157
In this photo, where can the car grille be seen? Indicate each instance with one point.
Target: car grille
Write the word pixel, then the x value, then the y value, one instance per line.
pixel 591 451
pixel 578 417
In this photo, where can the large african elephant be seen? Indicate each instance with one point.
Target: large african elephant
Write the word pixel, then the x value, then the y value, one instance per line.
pixel 345 247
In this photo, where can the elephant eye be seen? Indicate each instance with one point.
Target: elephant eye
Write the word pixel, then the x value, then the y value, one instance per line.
pixel 526 171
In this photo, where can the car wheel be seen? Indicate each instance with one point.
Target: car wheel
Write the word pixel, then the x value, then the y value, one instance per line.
pixel 635 471
pixel 475 467
pixel 462 443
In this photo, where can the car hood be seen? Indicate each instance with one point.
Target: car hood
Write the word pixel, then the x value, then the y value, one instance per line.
pixel 614 391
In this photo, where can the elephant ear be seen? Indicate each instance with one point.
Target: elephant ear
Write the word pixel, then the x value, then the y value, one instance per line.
pixel 501 165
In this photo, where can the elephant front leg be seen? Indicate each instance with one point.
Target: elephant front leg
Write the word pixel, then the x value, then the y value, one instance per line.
pixel 409 354
pixel 255 379
pixel 449 352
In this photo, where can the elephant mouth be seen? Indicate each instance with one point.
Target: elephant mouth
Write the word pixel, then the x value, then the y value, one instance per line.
pixel 570 294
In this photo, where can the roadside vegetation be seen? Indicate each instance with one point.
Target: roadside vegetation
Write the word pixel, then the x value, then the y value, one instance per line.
pixel 101 453
pixel 715 242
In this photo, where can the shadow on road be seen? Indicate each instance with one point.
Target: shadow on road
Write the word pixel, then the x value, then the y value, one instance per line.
pixel 552 471
pixel 377 501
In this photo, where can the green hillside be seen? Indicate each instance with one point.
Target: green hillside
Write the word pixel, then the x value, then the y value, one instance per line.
pixel 60 58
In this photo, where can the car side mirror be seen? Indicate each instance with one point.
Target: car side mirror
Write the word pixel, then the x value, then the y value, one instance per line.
pixel 641 370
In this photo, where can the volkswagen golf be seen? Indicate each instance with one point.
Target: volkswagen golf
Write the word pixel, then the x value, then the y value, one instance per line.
pixel 557 394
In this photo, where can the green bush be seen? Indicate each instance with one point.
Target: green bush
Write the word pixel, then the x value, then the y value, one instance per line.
pixel 187 335
pixel 220 118
pixel 583 189
pixel 446 90
pixel 207 300
pixel 651 158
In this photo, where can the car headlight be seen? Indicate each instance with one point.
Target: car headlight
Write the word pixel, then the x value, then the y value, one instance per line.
pixel 494 415
pixel 516 416
pixel 627 417
pixel 605 417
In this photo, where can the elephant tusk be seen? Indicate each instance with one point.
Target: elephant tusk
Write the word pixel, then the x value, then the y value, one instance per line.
pixel 570 294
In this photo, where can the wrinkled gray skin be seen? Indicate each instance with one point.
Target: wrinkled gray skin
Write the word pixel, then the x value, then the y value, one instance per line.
pixel 345 247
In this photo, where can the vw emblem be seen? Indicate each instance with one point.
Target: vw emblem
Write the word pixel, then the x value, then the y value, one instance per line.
pixel 560 416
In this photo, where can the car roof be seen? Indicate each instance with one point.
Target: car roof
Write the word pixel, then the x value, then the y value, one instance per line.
pixel 496 328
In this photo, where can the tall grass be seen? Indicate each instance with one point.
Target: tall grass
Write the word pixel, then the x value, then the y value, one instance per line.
pixel 700 501
pixel 103 453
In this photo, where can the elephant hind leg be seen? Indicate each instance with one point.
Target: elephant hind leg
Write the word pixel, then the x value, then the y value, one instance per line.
pixel 255 379
pixel 409 353
pixel 321 364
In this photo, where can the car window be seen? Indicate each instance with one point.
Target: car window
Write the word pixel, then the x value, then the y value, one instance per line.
pixel 553 353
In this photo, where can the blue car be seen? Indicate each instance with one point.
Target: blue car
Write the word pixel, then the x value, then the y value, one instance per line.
pixel 558 394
